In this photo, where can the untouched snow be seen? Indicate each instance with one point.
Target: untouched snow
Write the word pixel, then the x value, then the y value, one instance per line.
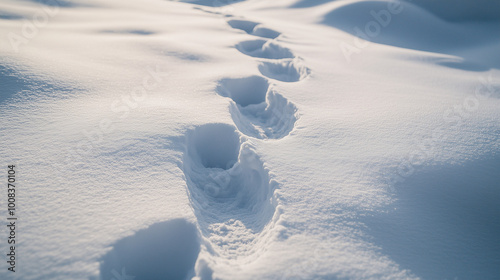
pixel 222 139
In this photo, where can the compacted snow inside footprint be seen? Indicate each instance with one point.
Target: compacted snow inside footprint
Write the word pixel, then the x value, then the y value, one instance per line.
pixel 229 188
pixel 285 70
pixel 257 109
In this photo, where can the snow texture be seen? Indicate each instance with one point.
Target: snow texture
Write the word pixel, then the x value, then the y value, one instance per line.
pixel 251 139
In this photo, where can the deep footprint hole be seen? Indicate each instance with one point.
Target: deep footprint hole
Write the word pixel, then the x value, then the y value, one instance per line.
pixel 166 250
pixel 244 25
pixel 265 32
pixel 244 91
pixel 264 49
pixel 251 46
pixel 253 28
pixel 286 70
pixel 215 145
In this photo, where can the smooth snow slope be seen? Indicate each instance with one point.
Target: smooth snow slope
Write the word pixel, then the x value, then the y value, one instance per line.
pixel 254 139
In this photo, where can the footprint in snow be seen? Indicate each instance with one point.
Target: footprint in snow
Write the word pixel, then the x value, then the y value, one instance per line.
pixel 229 189
pixel 257 109
pixel 285 70
pixel 253 28
pixel 288 68
pixel 264 49
pixel 165 250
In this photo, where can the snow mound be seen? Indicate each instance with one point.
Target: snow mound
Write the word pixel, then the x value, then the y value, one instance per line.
pixel 394 23
pixel 449 10
pixel 407 25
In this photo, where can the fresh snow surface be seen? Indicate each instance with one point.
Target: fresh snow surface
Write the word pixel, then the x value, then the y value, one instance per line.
pixel 224 139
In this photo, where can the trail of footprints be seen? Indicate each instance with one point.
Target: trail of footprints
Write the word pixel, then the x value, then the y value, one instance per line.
pixel 257 109
pixel 230 189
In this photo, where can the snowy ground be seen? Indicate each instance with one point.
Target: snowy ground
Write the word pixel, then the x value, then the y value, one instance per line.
pixel 222 139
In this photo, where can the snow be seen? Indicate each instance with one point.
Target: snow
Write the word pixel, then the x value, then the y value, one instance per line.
pixel 166 250
pixel 287 139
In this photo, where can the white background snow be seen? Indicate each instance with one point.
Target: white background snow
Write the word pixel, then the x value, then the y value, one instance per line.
pixel 286 139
